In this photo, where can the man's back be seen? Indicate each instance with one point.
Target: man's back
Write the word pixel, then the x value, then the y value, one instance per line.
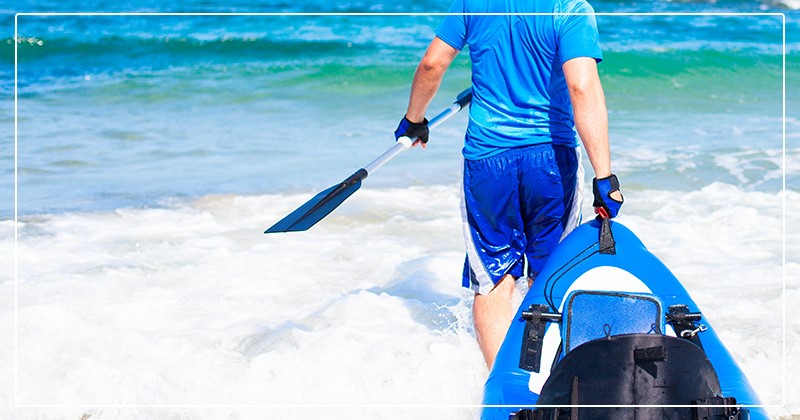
pixel 520 94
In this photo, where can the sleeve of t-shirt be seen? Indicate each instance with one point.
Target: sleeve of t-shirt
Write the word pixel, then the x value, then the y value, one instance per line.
pixel 577 32
pixel 453 29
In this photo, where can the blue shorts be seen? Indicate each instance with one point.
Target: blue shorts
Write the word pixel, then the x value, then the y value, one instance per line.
pixel 517 206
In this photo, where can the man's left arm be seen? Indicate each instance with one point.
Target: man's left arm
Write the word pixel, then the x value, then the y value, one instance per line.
pixel 428 77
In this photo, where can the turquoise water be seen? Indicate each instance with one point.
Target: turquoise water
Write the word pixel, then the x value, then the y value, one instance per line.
pixel 129 111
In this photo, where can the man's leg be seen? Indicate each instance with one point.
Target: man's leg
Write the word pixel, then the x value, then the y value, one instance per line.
pixel 495 241
pixel 492 315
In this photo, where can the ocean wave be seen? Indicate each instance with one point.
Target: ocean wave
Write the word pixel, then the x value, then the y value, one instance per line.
pixel 65 58
pixel 33 48
pixel 243 35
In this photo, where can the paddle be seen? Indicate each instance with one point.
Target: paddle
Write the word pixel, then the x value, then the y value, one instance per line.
pixel 325 202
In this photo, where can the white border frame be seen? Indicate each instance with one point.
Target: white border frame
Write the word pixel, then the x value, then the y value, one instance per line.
pixel 16 215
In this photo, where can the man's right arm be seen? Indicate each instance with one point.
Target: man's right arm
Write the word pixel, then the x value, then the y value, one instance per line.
pixel 589 110
pixel 591 116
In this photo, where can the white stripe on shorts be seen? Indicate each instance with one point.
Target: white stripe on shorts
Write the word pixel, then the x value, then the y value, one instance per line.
pixel 575 213
pixel 485 283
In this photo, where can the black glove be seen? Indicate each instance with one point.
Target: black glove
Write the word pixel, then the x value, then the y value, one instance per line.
pixel 603 203
pixel 414 131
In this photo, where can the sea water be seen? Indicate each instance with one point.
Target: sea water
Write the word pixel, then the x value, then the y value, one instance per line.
pixel 152 151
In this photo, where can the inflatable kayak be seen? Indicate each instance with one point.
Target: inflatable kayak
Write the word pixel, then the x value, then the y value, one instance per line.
pixel 608 332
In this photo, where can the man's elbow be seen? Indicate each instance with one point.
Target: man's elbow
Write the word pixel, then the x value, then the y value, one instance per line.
pixel 582 77
pixel 433 65
pixel 582 86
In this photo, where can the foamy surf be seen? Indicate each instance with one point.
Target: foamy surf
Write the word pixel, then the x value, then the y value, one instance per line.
pixel 190 305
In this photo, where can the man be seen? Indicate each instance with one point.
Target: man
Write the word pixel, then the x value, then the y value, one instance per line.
pixel 534 78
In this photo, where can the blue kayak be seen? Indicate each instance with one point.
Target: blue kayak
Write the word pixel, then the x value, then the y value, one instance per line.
pixel 608 332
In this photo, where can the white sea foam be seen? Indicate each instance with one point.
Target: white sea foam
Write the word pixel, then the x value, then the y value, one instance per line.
pixel 192 305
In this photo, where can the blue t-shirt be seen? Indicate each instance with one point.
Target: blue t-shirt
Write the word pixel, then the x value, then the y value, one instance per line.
pixel 520 97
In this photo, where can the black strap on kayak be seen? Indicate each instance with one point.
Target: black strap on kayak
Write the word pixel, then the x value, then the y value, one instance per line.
pixel 554 413
pixel 550 413
pixel 684 323
pixel 574 399
pixel 536 318
pixel 723 408
pixel 607 244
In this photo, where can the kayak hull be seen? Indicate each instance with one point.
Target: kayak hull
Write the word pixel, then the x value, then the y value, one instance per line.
pixel 624 280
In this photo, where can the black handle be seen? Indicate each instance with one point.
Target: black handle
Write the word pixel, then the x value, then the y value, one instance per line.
pixel 464 97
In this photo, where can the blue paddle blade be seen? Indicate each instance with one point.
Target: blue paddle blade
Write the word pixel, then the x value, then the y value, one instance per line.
pixel 320 206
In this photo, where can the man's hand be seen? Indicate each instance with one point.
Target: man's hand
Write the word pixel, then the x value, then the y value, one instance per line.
pixel 415 131
pixel 607 197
